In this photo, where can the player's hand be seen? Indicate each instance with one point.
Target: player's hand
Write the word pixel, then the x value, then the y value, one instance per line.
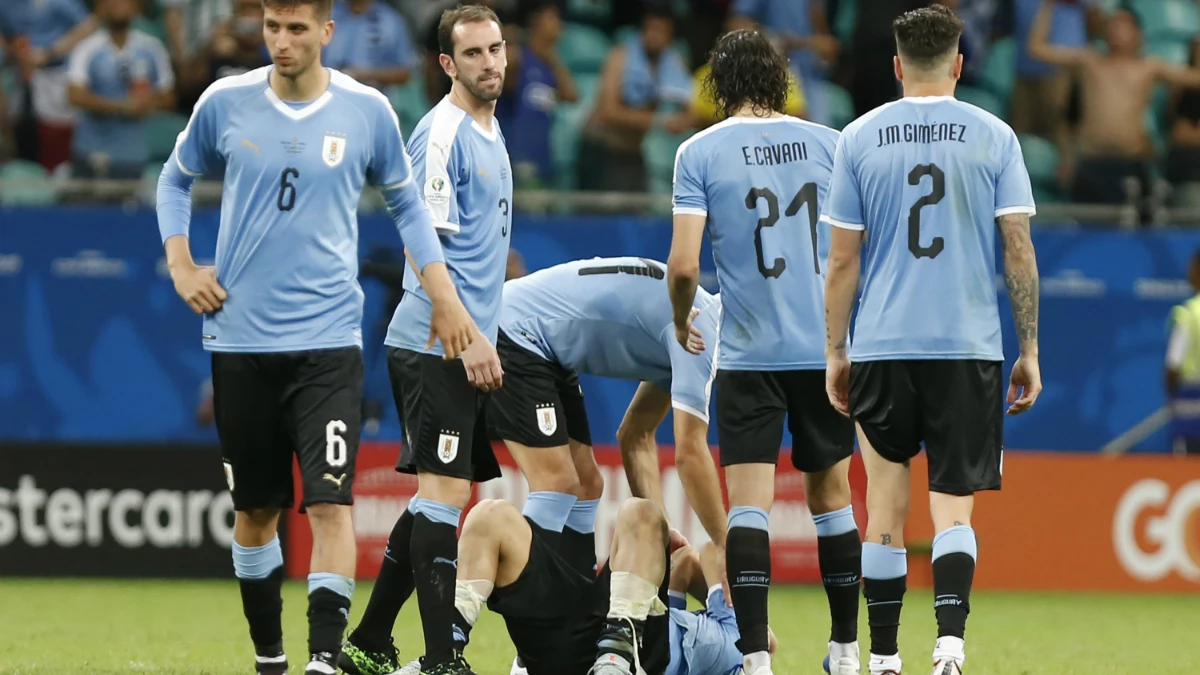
pixel 837 383
pixel 451 325
pixel 689 336
pixel 199 288
pixel 1025 382
pixel 483 365
pixel 723 576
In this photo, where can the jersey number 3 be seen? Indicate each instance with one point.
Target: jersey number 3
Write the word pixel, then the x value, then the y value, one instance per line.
pixel 806 195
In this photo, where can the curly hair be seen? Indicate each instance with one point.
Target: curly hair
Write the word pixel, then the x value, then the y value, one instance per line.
pixel 926 36
pixel 745 68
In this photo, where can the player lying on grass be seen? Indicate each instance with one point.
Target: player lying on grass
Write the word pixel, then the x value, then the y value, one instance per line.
pixel 505 560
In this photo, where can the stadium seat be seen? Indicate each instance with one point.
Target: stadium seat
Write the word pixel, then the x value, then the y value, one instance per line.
pixel 410 103
pixel 567 131
pixel 981 98
pixel 1041 159
pixel 838 104
pixel 162 130
pixel 583 48
pixel 1169 50
pixel 999 72
pixel 843 23
pixel 24 183
pixel 658 151
pixel 1169 19
pixel 597 11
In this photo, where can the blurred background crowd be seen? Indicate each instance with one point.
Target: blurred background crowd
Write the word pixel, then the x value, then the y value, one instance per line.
pixel 1105 94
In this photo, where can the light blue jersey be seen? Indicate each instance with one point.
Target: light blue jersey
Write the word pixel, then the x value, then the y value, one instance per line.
pixel 704 642
pixel 927 178
pixel 760 182
pixel 467 183
pixel 287 250
pixel 611 317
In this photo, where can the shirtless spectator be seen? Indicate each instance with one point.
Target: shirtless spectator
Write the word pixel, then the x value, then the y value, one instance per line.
pixel 1183 156
pixel 1116 85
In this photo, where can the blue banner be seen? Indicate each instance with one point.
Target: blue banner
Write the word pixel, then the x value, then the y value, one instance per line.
pixel 96 346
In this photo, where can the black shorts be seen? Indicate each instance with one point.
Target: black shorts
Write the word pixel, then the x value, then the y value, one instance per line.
pixel 956 407
pixel 441 413
pixel 751 406
pixel 541 403
pixel 269 407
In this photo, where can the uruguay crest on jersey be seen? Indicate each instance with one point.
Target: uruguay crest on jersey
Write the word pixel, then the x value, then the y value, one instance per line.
pixel 547 420
pixel 333 150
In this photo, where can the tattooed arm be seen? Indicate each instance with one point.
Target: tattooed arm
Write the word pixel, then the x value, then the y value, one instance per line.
pixel 1021 277
pixel 841 286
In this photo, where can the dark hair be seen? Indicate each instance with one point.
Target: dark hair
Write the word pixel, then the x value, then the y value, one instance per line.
pixel 533 8
pixel 461 14
pixel 925 36
pixel 745 67
pixel 657 9
pixel 322 8
pixel 1126 8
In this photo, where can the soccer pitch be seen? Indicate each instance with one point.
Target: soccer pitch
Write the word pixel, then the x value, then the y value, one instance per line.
pixel 95 626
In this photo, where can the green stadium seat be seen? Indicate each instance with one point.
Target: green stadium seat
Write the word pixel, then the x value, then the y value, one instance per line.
pixel 583 48
pixel 161 131
pixel 1171 19
pixel 838 104
pixel 153 27
pixel 1169 50
pixel 598 11
pixel 1000 68
pixel 1041 159
pixel 411 103
pixel 567 130
pixel 658 151
pixel 843 23
pixel 981 98
pixel 24 183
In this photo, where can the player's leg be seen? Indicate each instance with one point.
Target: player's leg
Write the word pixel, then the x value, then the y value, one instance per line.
pixel 638 566
pixel 492 553
pixel 579 536
pixel 750 413
pixel 822 443
pixel 324 413
pixel 258 467
pixel 963 409
pixel 883 402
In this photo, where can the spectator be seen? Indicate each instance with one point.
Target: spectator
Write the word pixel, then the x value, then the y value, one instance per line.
pixel 1115 89
pixel 705 112
pixel 641 77
pixel 52 29
pixel 237 44
pixel 371 43
pixel 1183 157
pixel 8 143
pixel 190 25
pixel 802 31
pixel 536 80
pixel 1181 376
pixel 873 77
pixel 117 77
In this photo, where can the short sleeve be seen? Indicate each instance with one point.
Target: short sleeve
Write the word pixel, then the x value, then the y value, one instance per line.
pixel 435 157
pixel 390 167
pixel 688 196
pixel 196 147
pixel 164 76
pixel 76 11
pixel 692 374
pixel 80 62
pixel 1014 193
pixel 843 204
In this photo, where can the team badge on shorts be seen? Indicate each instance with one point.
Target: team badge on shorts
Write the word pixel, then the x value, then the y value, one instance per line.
pixel 547 420
pixel 333 151
pixel 447 448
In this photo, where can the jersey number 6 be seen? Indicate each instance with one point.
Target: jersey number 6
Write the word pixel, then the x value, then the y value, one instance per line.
pixel 806 195
pixel 287 189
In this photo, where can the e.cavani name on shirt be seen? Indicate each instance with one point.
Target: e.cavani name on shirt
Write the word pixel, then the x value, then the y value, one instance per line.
pixel 936 132
pixel 774 155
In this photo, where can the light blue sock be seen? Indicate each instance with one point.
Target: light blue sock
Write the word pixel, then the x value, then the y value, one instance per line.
pixel 550 510
pixel 343 586
pixel 439 512
pixel 257 562
pixel 835 522
pixel 583 516
pixel 957 539
pixel 883 562
pixel 749 516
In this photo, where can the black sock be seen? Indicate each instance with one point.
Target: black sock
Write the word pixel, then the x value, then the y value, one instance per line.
pixel 618 638
pixel 841 565
pixel 461 631
pixel 952 577
pixel 327 615
pixel 392 589
pixel 434 556
pixel 748 561
pixel 885 599
pixel 579 550
pixel 262 604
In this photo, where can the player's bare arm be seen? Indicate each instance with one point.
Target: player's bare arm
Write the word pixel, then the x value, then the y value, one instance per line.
pixel 683 272
pixel 1021 278
pixel 841 285
pixel 197 285
pixel 635 438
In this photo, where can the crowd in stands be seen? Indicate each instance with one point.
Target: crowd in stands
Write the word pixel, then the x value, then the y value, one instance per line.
pixel 1104 94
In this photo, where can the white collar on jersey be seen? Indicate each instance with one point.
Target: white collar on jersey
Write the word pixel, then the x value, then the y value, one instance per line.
pixel 928 99
pixel 304 112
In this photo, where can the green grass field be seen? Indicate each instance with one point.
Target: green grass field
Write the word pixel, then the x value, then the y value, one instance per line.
pixel 88 626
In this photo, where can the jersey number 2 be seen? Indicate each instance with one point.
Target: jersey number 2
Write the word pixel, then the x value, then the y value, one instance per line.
pixel 914 214
pixel 806 195
pixel 287 189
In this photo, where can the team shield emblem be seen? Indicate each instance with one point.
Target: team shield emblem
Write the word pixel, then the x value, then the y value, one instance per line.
pixel 447 448
pixel 547 420
pixel 333 150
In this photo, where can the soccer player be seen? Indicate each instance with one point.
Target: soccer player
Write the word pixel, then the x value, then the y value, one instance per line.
pixel 460 159
pixel 282 308
pixel 755 181
pixel 504 562
pixel 925 181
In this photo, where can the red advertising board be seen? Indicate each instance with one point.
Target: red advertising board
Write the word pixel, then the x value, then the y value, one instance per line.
pixel 381 495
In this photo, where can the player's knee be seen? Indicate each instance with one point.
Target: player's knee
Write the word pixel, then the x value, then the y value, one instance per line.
pixel 445 489
pixel 259 519
pixel 641 515
pixel 328 516
pixel 827 491
pixel 591 481
pixel 490 517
